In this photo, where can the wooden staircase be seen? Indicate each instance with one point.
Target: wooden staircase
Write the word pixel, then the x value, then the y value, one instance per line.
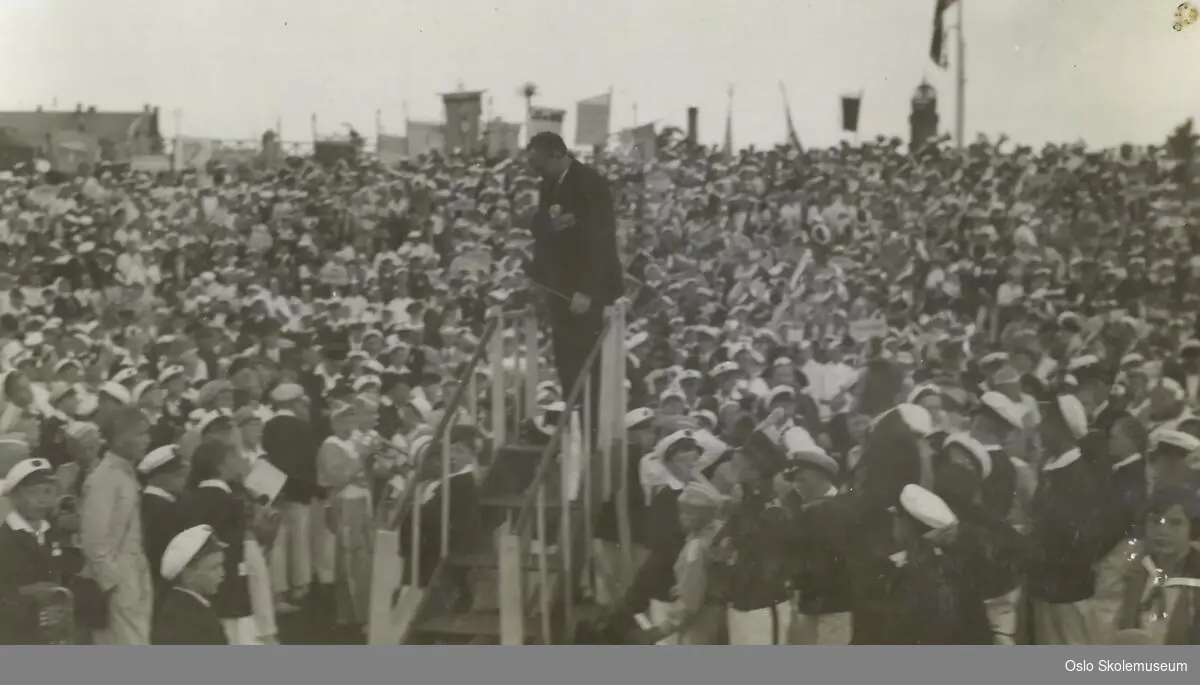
pixel 521 577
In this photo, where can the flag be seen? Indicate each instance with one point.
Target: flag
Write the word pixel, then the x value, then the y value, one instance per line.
pixel 592 119
pixel 546 119
pixel 425 137
pixel 193 153
pixel 640 142
pixel 133 137
pixel 727 150
pixel 503 138
pixel 463 110
pixel 936 47
pixel 71 149
pixel 850 107
pixel 787 116
pixel 391 149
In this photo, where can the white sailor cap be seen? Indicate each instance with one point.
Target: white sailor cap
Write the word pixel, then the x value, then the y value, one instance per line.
pixel 117 392
pixel 1132 360
pixel 158 458
pixel 994 358
pixel 173 371
pixel 637 417
pixel 816 458
pixel 210 418
pixel 690 375
pixel 779 391
pixel 975 449
pixel 22 471
pixel 124 375
pixel 917 418
pixel 185 547
pixel 1003 407
pixel 707 416
pixel 287 392
pixel 922 391
pixel 1192 345
pixel 678 439
pixel 672 394
pixel 1082 362
pixel 1073 414
pixel 926 507
pixel 365 381
pixel 724 368
pixel 1175 441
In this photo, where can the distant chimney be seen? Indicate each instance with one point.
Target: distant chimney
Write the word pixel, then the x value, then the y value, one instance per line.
pixel 156 110
pixel 39 108
pixel 146 109
pixel 91 109
pixel 79 108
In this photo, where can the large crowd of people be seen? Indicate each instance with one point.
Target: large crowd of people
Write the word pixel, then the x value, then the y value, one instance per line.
pixel 879 397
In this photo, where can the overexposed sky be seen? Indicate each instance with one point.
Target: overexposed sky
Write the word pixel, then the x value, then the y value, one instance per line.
pixel 1106 71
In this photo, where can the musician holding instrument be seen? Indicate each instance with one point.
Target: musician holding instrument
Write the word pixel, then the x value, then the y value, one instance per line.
pixel 31 569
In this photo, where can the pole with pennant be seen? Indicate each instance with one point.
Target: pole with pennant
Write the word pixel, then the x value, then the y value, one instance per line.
pixel 961 81
pixel 314 128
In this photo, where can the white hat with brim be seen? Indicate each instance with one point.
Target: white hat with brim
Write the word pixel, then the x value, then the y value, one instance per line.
pixel 187 546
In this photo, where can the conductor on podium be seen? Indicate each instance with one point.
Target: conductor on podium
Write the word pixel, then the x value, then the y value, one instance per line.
pixel 575 263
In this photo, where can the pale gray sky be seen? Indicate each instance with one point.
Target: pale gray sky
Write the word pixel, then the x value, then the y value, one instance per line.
pixel 1102 70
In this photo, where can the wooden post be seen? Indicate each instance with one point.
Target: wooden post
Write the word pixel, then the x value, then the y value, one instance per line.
pixel 512 596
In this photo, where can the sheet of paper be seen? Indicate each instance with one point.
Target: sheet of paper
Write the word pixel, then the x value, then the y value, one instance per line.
pixel 265 479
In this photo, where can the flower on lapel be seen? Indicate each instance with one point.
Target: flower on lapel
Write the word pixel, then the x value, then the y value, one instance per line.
pixel 560 219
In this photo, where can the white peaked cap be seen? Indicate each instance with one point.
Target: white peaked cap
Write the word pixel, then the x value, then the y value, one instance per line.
pixel 184 547
pixel 926 507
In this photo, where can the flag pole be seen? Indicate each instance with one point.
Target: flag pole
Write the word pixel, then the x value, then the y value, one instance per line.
pixel 961 81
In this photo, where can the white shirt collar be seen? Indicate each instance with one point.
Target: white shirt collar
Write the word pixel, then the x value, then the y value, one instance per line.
pixel 216 483
pixel 158 492
pixel 18 522
pixel 200 598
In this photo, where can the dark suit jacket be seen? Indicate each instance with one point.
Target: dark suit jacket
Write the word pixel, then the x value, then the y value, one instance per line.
pixel 162 520
pixel 291 446
pixel 226 513
pixel 182 619
pixel 582 258
pixel 24 562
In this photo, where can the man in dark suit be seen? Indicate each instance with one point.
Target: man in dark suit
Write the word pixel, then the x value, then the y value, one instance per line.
pixel 194 564
pixel 575 261
pixel 165 474
pixel 291 446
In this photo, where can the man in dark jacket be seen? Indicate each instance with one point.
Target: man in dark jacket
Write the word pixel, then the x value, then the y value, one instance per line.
pixel 291 446
pixel 30 556
pixel 165 475
pixel 194 563
pixel 214 502
pixel 575 259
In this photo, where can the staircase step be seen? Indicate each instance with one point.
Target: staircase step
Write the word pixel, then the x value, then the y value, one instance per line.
pixel 518 450
pixel 490 560
pixel 480 625
pixel 517 500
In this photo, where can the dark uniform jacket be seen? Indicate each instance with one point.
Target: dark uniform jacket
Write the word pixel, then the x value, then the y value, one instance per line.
pixel 162 520
pixel 23 561
pixel 291 446
pixel 182 618
pixel 1066 534
pixel 213 505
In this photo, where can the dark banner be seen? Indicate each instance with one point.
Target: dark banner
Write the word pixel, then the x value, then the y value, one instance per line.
pixel 850 108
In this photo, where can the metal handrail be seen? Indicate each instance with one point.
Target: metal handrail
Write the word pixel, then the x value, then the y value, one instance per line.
pixel 563 423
